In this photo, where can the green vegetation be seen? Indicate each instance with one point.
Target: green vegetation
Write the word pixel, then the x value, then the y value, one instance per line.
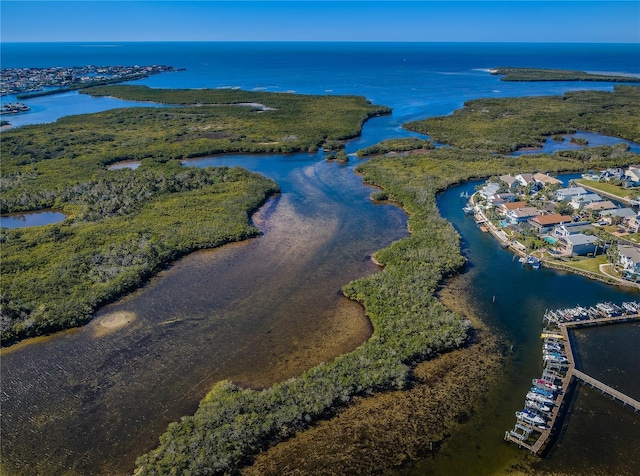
pixel 507 124
pixel 541 74
pixel 591 265
pixel 610 188
pixel 38 162
pixel 125 225
pixel 410 324
pixel 396 145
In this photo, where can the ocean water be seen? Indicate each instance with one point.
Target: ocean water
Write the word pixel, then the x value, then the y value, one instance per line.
pixel 415 79
pixel 133 382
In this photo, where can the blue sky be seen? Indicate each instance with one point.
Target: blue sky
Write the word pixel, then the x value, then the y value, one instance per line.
pixel 370 20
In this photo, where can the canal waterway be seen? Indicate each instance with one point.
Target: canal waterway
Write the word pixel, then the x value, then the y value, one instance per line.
pixel 512 299
pixel 88 401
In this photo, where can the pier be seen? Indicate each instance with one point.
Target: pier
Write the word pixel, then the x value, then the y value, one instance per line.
pixel 605 389
pixel 532 437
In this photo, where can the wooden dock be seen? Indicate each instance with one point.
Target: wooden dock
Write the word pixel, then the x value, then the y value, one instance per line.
pixel 562 336
pixel 601 321
pixel 612 392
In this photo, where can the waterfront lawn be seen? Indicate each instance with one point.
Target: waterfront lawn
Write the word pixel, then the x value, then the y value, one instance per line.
pixel 591 265
pixel 507 124
pixel 610 188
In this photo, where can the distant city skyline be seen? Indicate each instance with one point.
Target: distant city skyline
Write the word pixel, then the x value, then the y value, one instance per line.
pixel 418 21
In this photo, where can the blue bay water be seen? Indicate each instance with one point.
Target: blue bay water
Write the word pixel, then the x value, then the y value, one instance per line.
pixel 417 81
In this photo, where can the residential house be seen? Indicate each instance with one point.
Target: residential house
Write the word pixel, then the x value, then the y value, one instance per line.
pixel 612 174
pixel 500 198
pixel 510 180
pixel 545 223
pixel 522 215
pixel 525 179
pixel 565 194
pixel 579 201
pixel 504 208
pixel 616 215
pixel 578 244
pixel 629 259
pixel 633 173
pixel 597 206
pixel 507 197
pixel 572 228
pixel 489 190
pixel 544 179
pixel 633 224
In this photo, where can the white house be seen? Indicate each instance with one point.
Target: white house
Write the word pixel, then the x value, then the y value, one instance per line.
pixel 525 179
pixel 573 228
pixel 578 244
pixel 489 190
pixel 579 201
pixel 633 173
pixel 521 215
pixel 629 259
pixel 565 194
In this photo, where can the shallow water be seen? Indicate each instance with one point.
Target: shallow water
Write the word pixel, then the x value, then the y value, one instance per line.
pixel 257 312
pixel 22 220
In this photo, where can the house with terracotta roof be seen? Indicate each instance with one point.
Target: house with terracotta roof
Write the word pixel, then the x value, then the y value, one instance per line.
pixel 504 208
pixel 545 223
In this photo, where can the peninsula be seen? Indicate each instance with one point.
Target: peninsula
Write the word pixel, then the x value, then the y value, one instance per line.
pixel 542 74
pixel 32 82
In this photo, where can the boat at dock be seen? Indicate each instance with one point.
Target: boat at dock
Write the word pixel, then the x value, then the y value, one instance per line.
pixel 544 384
pixel 536 397
pixel 529 418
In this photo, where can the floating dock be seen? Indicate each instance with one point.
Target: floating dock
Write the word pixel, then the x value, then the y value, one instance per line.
pixel 560 367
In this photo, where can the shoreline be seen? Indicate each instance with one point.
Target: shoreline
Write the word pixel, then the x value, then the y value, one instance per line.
pixel 514 248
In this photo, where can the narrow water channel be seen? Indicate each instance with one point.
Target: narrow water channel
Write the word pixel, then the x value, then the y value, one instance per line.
pixel 595 426
pixel 88 401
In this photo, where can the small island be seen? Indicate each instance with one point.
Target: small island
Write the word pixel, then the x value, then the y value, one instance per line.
pixel 543 74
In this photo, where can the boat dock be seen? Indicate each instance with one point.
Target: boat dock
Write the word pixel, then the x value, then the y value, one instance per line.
pixel 535 424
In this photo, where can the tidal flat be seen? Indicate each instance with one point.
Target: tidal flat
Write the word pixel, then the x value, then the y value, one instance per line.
pixel 99 399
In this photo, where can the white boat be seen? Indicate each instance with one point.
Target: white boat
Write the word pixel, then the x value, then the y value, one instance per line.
pixel 530 418
pixel 539 398
pixel 537 406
